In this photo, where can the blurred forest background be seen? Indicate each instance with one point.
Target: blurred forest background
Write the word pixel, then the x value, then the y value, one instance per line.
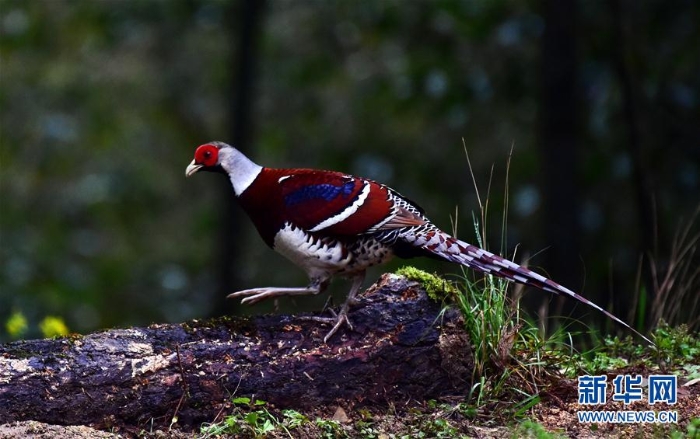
pixel 102 104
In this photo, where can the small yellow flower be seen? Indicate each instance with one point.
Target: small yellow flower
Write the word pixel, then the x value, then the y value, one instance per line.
pixel 53 326
pixel 16 325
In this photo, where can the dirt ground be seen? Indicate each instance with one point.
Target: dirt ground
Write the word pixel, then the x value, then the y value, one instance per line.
pixel 559 413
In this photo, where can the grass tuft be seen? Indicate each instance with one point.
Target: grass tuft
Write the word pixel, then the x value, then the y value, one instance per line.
pixel 676 278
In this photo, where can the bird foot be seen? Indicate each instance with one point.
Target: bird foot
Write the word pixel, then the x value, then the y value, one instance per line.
pixel 337 321
pixel 255 295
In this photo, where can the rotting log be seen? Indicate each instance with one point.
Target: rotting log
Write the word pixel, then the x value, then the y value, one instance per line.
pixel 402 348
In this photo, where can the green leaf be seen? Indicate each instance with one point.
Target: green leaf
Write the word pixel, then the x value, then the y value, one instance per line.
pixel 241 401
pixel 252 418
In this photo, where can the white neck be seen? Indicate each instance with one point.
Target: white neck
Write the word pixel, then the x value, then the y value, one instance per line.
pixel 241 170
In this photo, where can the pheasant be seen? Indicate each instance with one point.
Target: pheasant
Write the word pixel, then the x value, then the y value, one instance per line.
pixel 334 224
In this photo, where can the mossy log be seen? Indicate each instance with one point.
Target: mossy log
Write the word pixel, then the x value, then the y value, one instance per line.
pixel 402 348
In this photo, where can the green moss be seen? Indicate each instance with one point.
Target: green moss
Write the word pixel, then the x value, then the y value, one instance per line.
pixel 436 287
pixel 18 353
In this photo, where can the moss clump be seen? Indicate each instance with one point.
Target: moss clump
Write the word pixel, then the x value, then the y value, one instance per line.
pixel 437 288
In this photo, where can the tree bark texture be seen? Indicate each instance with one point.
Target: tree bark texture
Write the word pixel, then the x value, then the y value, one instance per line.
pixel 402 348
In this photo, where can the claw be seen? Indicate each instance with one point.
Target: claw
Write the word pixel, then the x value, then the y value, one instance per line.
pixel 255 295
pixel 342 318
pixel 337 321
pixel 316 286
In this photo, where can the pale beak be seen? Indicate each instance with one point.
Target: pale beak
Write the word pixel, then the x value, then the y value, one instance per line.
pixel 192 168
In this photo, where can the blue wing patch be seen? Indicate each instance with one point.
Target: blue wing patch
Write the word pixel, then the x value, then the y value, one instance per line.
pixel 327 192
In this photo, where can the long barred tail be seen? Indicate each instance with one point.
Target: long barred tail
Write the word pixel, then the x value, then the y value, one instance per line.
pixel 452 249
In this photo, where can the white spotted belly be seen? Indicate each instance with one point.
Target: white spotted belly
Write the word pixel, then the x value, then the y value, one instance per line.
pixel 368 252
pixel 323 257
